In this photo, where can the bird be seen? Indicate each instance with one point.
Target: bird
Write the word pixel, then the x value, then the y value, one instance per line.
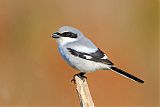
pixel 83 55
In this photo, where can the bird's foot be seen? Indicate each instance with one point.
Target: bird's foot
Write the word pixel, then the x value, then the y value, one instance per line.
pixel 80 75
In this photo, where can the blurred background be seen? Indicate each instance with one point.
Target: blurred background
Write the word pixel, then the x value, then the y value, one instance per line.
pixel 32 73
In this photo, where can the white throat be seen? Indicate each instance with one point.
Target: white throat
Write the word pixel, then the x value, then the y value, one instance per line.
pixel 65 40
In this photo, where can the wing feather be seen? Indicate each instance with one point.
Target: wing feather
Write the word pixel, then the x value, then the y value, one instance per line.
pixel 97 56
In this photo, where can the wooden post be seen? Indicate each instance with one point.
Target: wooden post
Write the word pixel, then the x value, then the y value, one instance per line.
pixel 83 92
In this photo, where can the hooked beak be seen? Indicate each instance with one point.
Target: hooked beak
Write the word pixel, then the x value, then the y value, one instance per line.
pixel 56 35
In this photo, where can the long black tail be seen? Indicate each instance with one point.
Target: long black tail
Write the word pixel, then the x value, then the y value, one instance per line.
pixel 123 73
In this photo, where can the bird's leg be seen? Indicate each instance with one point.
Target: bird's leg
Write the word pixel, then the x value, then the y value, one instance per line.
pixel 80 75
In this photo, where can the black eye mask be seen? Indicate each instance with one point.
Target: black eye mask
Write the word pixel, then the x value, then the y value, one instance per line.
pixel 68 34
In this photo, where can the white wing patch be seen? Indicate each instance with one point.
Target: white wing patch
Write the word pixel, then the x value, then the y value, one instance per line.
pixel 84 49
pixel 88 57
pixel 105 57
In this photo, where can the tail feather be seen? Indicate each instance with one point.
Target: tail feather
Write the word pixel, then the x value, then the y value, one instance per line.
pixel 123 73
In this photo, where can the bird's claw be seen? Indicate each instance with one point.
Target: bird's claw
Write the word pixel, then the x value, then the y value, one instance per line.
pixel 80 75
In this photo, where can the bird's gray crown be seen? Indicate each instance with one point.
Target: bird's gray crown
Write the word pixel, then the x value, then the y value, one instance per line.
pixel 68 29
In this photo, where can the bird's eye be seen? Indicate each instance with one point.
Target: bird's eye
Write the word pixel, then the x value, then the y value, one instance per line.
pixel 69 34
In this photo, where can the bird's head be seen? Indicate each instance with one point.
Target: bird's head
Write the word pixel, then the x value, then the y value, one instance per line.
pixel 67 34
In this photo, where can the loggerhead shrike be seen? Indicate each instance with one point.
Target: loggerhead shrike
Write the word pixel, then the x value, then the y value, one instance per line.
pixel 79 52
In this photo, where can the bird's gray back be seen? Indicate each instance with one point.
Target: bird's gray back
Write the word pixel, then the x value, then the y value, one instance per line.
pixel 83 45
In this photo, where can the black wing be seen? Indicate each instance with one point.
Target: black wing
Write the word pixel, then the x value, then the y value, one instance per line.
pixel 97 56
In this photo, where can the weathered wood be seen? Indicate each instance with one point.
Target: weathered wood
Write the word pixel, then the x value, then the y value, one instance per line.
pixel 83 92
